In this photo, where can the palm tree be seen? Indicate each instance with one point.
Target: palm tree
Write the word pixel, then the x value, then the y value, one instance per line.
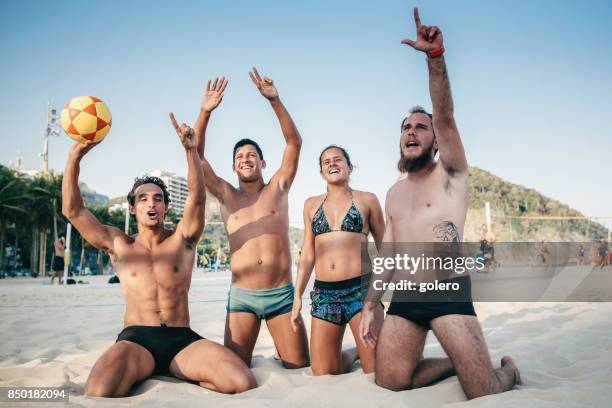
pixel 12 193
pixel 44 201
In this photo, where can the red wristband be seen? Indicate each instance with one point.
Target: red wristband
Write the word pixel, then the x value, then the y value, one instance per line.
pixel 436 53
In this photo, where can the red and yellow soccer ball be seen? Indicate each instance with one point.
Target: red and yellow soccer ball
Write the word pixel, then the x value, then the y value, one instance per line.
pixel 86 118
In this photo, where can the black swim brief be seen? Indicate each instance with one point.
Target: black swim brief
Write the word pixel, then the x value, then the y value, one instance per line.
pixel 436 304
pixel 423 313
pixel 161 341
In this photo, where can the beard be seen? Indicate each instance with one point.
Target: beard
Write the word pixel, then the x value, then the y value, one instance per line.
pixel 405 165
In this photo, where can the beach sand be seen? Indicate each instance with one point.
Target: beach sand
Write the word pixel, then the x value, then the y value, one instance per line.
pixel 51 336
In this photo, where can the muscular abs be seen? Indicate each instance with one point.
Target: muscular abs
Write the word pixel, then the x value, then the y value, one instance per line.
pixel 155 282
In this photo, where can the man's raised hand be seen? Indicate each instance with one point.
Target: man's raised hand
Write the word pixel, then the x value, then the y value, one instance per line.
pixel 81 149
pixel 265 85
pixel 429 38
pixel 213 95
pixel 185 133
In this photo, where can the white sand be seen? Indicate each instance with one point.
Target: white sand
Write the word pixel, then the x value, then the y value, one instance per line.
pixel 51 336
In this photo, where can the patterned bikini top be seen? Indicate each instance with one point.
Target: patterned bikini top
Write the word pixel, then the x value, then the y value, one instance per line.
pixel 352 221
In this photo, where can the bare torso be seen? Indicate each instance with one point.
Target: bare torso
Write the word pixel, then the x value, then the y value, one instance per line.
pixel 154 281
pixel 338 253
pixel 430 208
pixel 60 248
pixel 258 231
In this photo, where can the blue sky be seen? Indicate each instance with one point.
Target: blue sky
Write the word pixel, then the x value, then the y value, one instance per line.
pixel 531 83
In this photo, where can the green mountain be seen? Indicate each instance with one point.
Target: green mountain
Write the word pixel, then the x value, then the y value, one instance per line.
pixel 512 200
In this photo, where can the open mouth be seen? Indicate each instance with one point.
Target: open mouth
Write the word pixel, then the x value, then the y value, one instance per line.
pixel 411 144
pixel 334 171
pixel 152 214
pixel 246 167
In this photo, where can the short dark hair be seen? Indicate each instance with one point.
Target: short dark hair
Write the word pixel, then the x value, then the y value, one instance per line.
pixel 333 146
pixel 418 109
pixel 139 181
pixel 244 142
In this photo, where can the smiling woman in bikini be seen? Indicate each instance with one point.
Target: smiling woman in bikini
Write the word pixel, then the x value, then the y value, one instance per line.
pixel 335 225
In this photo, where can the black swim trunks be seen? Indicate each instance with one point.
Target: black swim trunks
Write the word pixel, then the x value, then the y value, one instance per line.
pixel 57 265
pixel 161 341
pixel 423 312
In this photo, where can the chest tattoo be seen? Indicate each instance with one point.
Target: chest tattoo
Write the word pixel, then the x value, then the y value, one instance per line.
pixel 446 231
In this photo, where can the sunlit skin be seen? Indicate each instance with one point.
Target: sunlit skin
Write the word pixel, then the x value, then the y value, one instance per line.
pixel 430 205
pixel 155 268
pixel 256 219
pixel 336 256
pixel 417 135
pixel 247 164
pixel 149 207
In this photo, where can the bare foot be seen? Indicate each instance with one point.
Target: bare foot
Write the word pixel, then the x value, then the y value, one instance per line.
pixel 509 366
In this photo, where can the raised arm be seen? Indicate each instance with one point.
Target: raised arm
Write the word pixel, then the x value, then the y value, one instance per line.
pixel 93 231
pixel 305 266
pixel 430 41
pixel 293 140
pixel 213 95
pixel 192 223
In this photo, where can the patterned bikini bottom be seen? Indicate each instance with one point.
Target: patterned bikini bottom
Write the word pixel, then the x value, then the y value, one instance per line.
pixel 338 302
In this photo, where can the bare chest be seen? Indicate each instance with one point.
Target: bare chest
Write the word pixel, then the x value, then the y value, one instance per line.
pixel 265 212
pixel 428 210
pixel 165 267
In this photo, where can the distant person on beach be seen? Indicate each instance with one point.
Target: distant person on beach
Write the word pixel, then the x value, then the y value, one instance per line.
pixel 543 252
pixel 256 219
pixel 430 205
pixel 581 255
pixel 602 252
pixel 57 265
pixel 155 269
pixel 336 225
pixel 487 239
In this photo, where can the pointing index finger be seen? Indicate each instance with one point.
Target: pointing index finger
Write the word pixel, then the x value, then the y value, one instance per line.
pixel 173 120
pixel 417 19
